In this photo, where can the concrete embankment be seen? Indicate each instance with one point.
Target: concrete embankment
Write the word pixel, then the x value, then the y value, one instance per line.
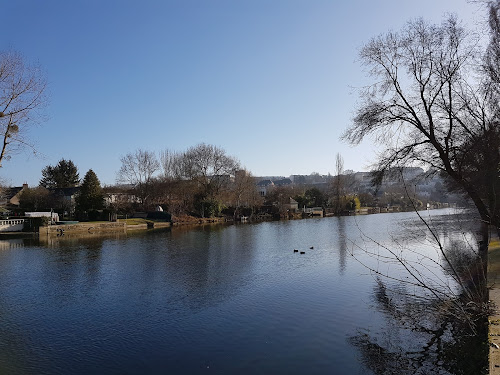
pixel 83 228
pixel 494 297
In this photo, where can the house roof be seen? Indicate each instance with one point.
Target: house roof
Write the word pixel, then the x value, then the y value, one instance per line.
pixel 283 181
pixel 11 192
pixel 67 191
pixel 10 196
pixel 265 183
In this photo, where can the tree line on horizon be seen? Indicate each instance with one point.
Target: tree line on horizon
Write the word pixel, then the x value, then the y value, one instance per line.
pixel 202 181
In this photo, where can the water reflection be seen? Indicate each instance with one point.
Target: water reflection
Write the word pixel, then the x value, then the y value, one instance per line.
pixel 11 244
pixel 419 338
pixel 342 244
pixel 236 299
pixel 434 324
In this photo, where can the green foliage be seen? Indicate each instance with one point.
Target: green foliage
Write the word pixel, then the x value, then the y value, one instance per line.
pixel 301 200
pixel 311 198
pixel 34 224
pixel 63 175
pixel 159 215
pixel 91 196
pixel 208 207
pixel 353 203
pixel 366 199
pixel 315 197
pixel 36 199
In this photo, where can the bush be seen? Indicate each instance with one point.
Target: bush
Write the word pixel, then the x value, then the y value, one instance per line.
pixel 208 208
pixel 94 215
pixel 159 215
pixel 33 224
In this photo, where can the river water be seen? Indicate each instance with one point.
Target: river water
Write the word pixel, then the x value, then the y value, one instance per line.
pixel 220 299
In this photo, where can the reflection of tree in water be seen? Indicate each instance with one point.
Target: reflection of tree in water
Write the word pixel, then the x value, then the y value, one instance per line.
pixel 342 244
pixel 436 341
pixel 434 297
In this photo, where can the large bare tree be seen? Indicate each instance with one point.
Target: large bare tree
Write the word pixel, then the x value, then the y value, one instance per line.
pixel 429 105
pixel 205 172
pixel 243 193
pixel 210 167
pixel 22 96
pixel 138 169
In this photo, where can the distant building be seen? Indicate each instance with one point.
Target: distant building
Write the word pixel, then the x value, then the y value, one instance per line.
pixel 67 198
pixel 10 197
pixel 282 182
pixel 291 206
pixel 264 186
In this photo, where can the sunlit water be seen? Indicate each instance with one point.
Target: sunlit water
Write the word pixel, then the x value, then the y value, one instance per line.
pixel 219 299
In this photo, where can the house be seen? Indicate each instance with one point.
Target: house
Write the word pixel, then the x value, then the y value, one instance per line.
pixel 67 198
pixel 119 198
pixel 264 186
pixel 9 199
pixel 291 206
pixel 283 182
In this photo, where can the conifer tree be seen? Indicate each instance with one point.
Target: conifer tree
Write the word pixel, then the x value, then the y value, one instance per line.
pixel 63 175
pixel 91 195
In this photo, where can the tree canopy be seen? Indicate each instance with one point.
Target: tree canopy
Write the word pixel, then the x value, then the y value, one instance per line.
pixel 91 195
pixel 22 97
pixel 430 105
pixel 63 175
pixel 138 169
pixel 207 171
pixel 36 199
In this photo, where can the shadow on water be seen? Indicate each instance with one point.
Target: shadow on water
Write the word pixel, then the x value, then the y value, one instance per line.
pixel 431 334
pixel 425 342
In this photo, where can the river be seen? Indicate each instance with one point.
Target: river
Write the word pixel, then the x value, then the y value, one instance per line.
pixel 220 299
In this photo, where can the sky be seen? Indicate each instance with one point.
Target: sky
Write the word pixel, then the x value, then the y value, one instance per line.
pixel 272 82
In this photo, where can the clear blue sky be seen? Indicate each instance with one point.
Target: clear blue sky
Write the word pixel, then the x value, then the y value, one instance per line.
pixel 269 81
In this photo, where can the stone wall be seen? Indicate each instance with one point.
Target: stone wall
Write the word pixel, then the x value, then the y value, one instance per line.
pixel 54 230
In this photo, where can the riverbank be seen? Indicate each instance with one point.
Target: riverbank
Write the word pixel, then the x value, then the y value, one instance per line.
pixel 494 297
pixel 101 227
pixel 135 224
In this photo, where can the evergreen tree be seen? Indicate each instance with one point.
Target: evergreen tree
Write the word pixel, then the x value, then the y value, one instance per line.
pixel 91 195
pixel 63 175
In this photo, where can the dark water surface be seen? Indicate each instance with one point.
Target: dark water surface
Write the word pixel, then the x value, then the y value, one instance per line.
pixel 214 300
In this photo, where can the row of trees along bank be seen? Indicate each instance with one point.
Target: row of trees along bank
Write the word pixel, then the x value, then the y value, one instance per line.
pixel 201 182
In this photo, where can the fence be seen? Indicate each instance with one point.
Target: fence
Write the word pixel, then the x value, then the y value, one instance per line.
pixel 12 225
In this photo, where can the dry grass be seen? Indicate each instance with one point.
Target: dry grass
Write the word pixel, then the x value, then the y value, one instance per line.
pixel 136 221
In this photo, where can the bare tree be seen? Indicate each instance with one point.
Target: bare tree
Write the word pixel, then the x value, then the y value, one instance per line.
pixel 199 178
pixel 244 192
pixel 210 167
pixel 338 187
pixel 171 164
pixel 492 56
pixel 138 169
pixel 22 96
pixel 430 107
